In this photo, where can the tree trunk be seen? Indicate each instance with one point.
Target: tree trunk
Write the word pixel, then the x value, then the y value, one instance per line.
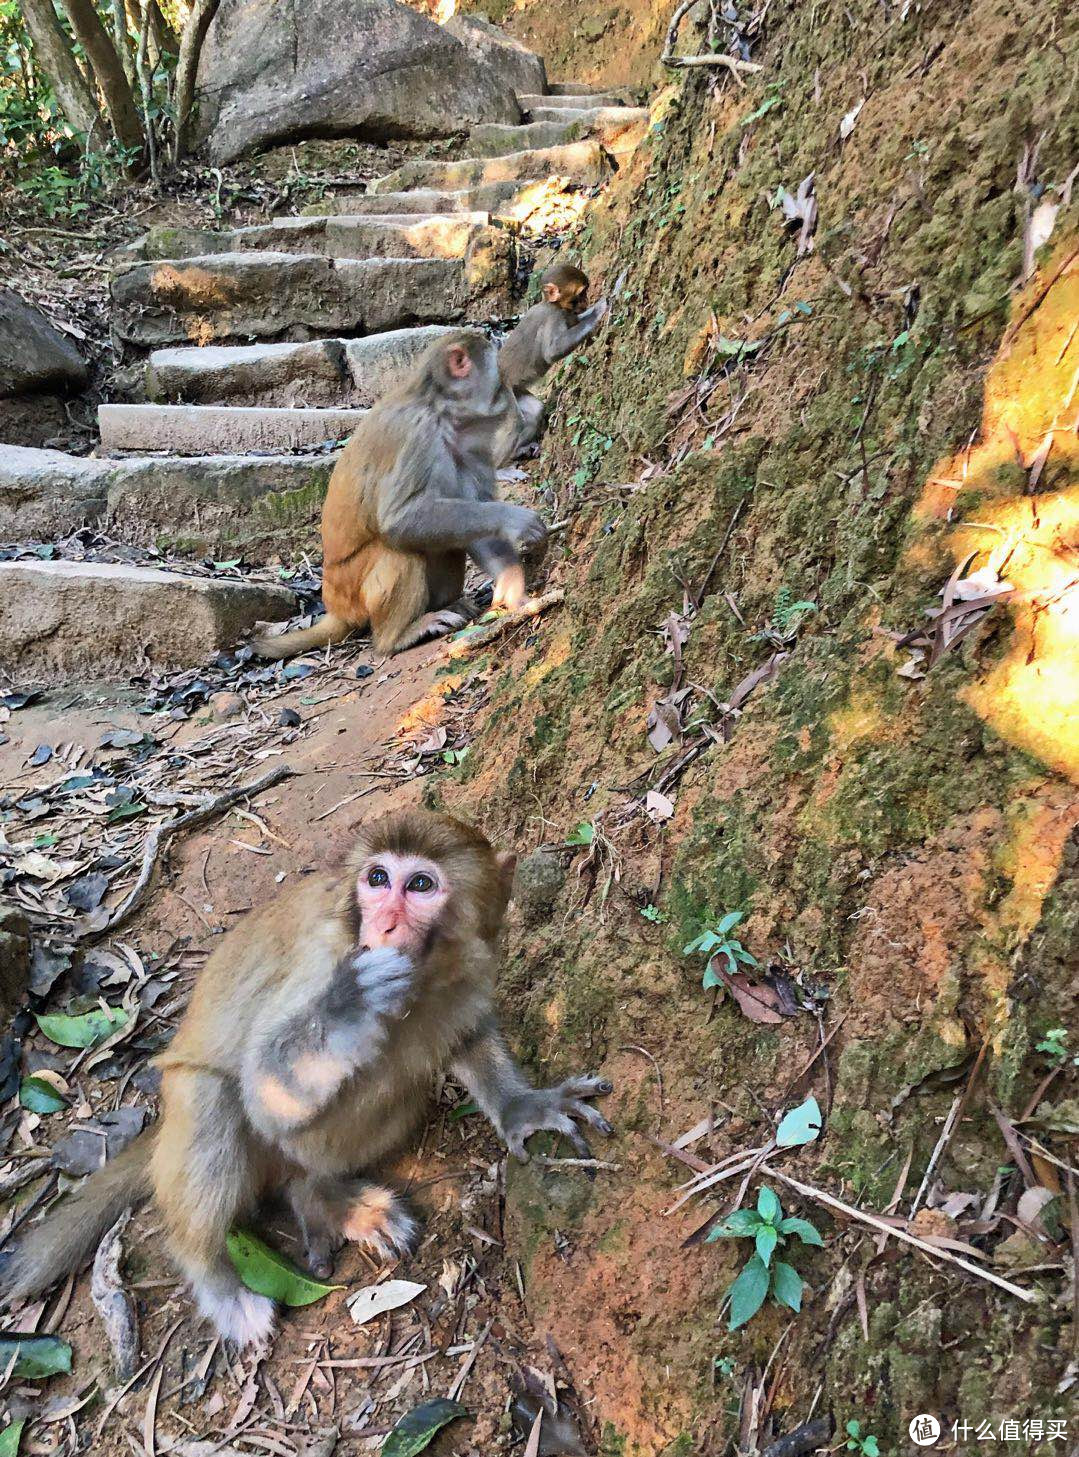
pixel 109 72
pixel 122 41
pixel 57 60
pixel 198 23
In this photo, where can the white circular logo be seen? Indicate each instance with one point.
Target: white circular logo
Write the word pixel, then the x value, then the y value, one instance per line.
pixel 924 1430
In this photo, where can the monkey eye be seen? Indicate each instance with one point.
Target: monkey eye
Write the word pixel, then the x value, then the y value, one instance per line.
pixel 378 877
pixel 421 883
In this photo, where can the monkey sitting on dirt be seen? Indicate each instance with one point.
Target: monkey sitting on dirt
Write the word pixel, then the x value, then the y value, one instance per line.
pixel 307 1055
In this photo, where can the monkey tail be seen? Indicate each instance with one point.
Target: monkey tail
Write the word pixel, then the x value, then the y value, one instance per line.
pixel 67 1237
pixel 327 629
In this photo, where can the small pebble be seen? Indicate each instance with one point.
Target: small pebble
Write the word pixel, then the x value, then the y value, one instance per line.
pixel 289 718
pixel 225 705
pixel 363 671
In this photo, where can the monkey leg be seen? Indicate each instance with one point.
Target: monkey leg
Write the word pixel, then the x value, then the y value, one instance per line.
pixel 531 412
pixel 417 598
pixel 206 1175
pixel 332 1211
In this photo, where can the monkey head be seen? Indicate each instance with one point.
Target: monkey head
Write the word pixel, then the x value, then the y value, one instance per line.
pixel 416 876
pixel 565 286
pixel 462 368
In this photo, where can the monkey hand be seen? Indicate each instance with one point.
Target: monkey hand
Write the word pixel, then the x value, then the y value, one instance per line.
pixel 384 979
pixel 601 308
pixel 555 1109
pixel 524 528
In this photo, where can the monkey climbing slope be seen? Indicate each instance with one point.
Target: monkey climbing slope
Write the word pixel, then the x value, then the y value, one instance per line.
pixel 258 348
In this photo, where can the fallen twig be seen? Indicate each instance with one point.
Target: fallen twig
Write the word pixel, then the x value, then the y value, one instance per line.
pixel 168 828
pixel 806 1438
pixel 823 1197
pixel 471 638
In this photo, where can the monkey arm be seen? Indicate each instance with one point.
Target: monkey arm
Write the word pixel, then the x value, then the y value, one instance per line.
pixel 432 523
pixel 514 1106
pixel 556 344
pixel 493 555
pixel 305 1056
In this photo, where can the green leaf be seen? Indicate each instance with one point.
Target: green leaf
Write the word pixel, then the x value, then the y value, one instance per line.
pixel 768 1205
pixel 416 1428
pixel 803 1229
pixel 767 1239
pixel 86 1030
pixel 729 921
pixel 787 1285
pixel 266 1272
pixel 465 1110
pixel 711 978
pixel 870 1447
pixel 742 1223
pixel 800 1125
pixel 748 1292
pixel 10 1438
pixel 35 1357
pixel 38 1096
pixel 124 812
pixel 853 1429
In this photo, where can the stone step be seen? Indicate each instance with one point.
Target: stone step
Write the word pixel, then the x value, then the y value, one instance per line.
pixel 221 429
pixel 581 162
pixel 495 198
pixel 617 128
pixel 245 296
pixel 203 503
pixel 570 88
pixel 334 235
pixel 341 372
pixel 64 618
pixel 569 99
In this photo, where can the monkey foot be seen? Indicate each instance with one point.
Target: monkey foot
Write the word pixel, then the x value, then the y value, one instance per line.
pixel 379 1221
pixel 242 1317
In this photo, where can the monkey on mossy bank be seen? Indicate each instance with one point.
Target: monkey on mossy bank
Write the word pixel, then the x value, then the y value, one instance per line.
pixel 547 332
pixel 305 1058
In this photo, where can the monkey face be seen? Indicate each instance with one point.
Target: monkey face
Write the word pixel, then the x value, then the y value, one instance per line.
pixel 401 899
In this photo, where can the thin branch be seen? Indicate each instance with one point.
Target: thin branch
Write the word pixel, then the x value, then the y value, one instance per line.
pixel 146 87
pixel 202 13
pixel 469 639
pixel 168 828
pixel 934 1251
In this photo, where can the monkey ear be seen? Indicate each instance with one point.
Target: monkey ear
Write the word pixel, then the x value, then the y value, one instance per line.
pixel 507 864
pixel 458 361
pixel 551 292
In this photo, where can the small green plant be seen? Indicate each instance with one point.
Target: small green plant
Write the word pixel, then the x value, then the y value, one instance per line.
pixel 725 1365
pixel 455 756
pixel 762 1275
pixel 718 941
pixel 867 1445
pixel 1054 1047
pixel 654 914
pixel 788 614
pixel 584 834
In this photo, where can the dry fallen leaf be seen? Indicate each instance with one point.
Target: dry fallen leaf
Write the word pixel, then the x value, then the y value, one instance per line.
pixel 113 1304
pixel 846 126
pixel 658 806
pixel 757 1002
pixel 374 1300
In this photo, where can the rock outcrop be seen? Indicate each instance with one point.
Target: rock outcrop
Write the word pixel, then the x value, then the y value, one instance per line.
pixel 38 366
pixel 274 72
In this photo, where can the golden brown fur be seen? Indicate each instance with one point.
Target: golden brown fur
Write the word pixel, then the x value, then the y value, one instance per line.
pixel 413 492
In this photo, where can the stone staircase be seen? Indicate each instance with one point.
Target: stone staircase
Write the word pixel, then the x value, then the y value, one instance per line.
pixel 255 351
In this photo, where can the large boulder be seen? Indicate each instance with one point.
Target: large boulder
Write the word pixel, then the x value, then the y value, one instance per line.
pixel 33 355
pixel 275 72
pixel 38 367
pixel 522 68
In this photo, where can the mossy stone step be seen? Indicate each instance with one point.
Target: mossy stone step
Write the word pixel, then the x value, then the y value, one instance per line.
pixel 224 429
pixel 334 235
pixel 212 298
pixel 62 619
pixel 580 162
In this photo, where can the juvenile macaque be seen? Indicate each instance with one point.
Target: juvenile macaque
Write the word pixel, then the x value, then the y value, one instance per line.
pixel 548 331
pixel 305 1058
pixel 413 493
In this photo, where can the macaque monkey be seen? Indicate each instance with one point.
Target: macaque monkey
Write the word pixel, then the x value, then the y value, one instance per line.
pixel 413 493
pixel 307 1055
pixel 547 332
